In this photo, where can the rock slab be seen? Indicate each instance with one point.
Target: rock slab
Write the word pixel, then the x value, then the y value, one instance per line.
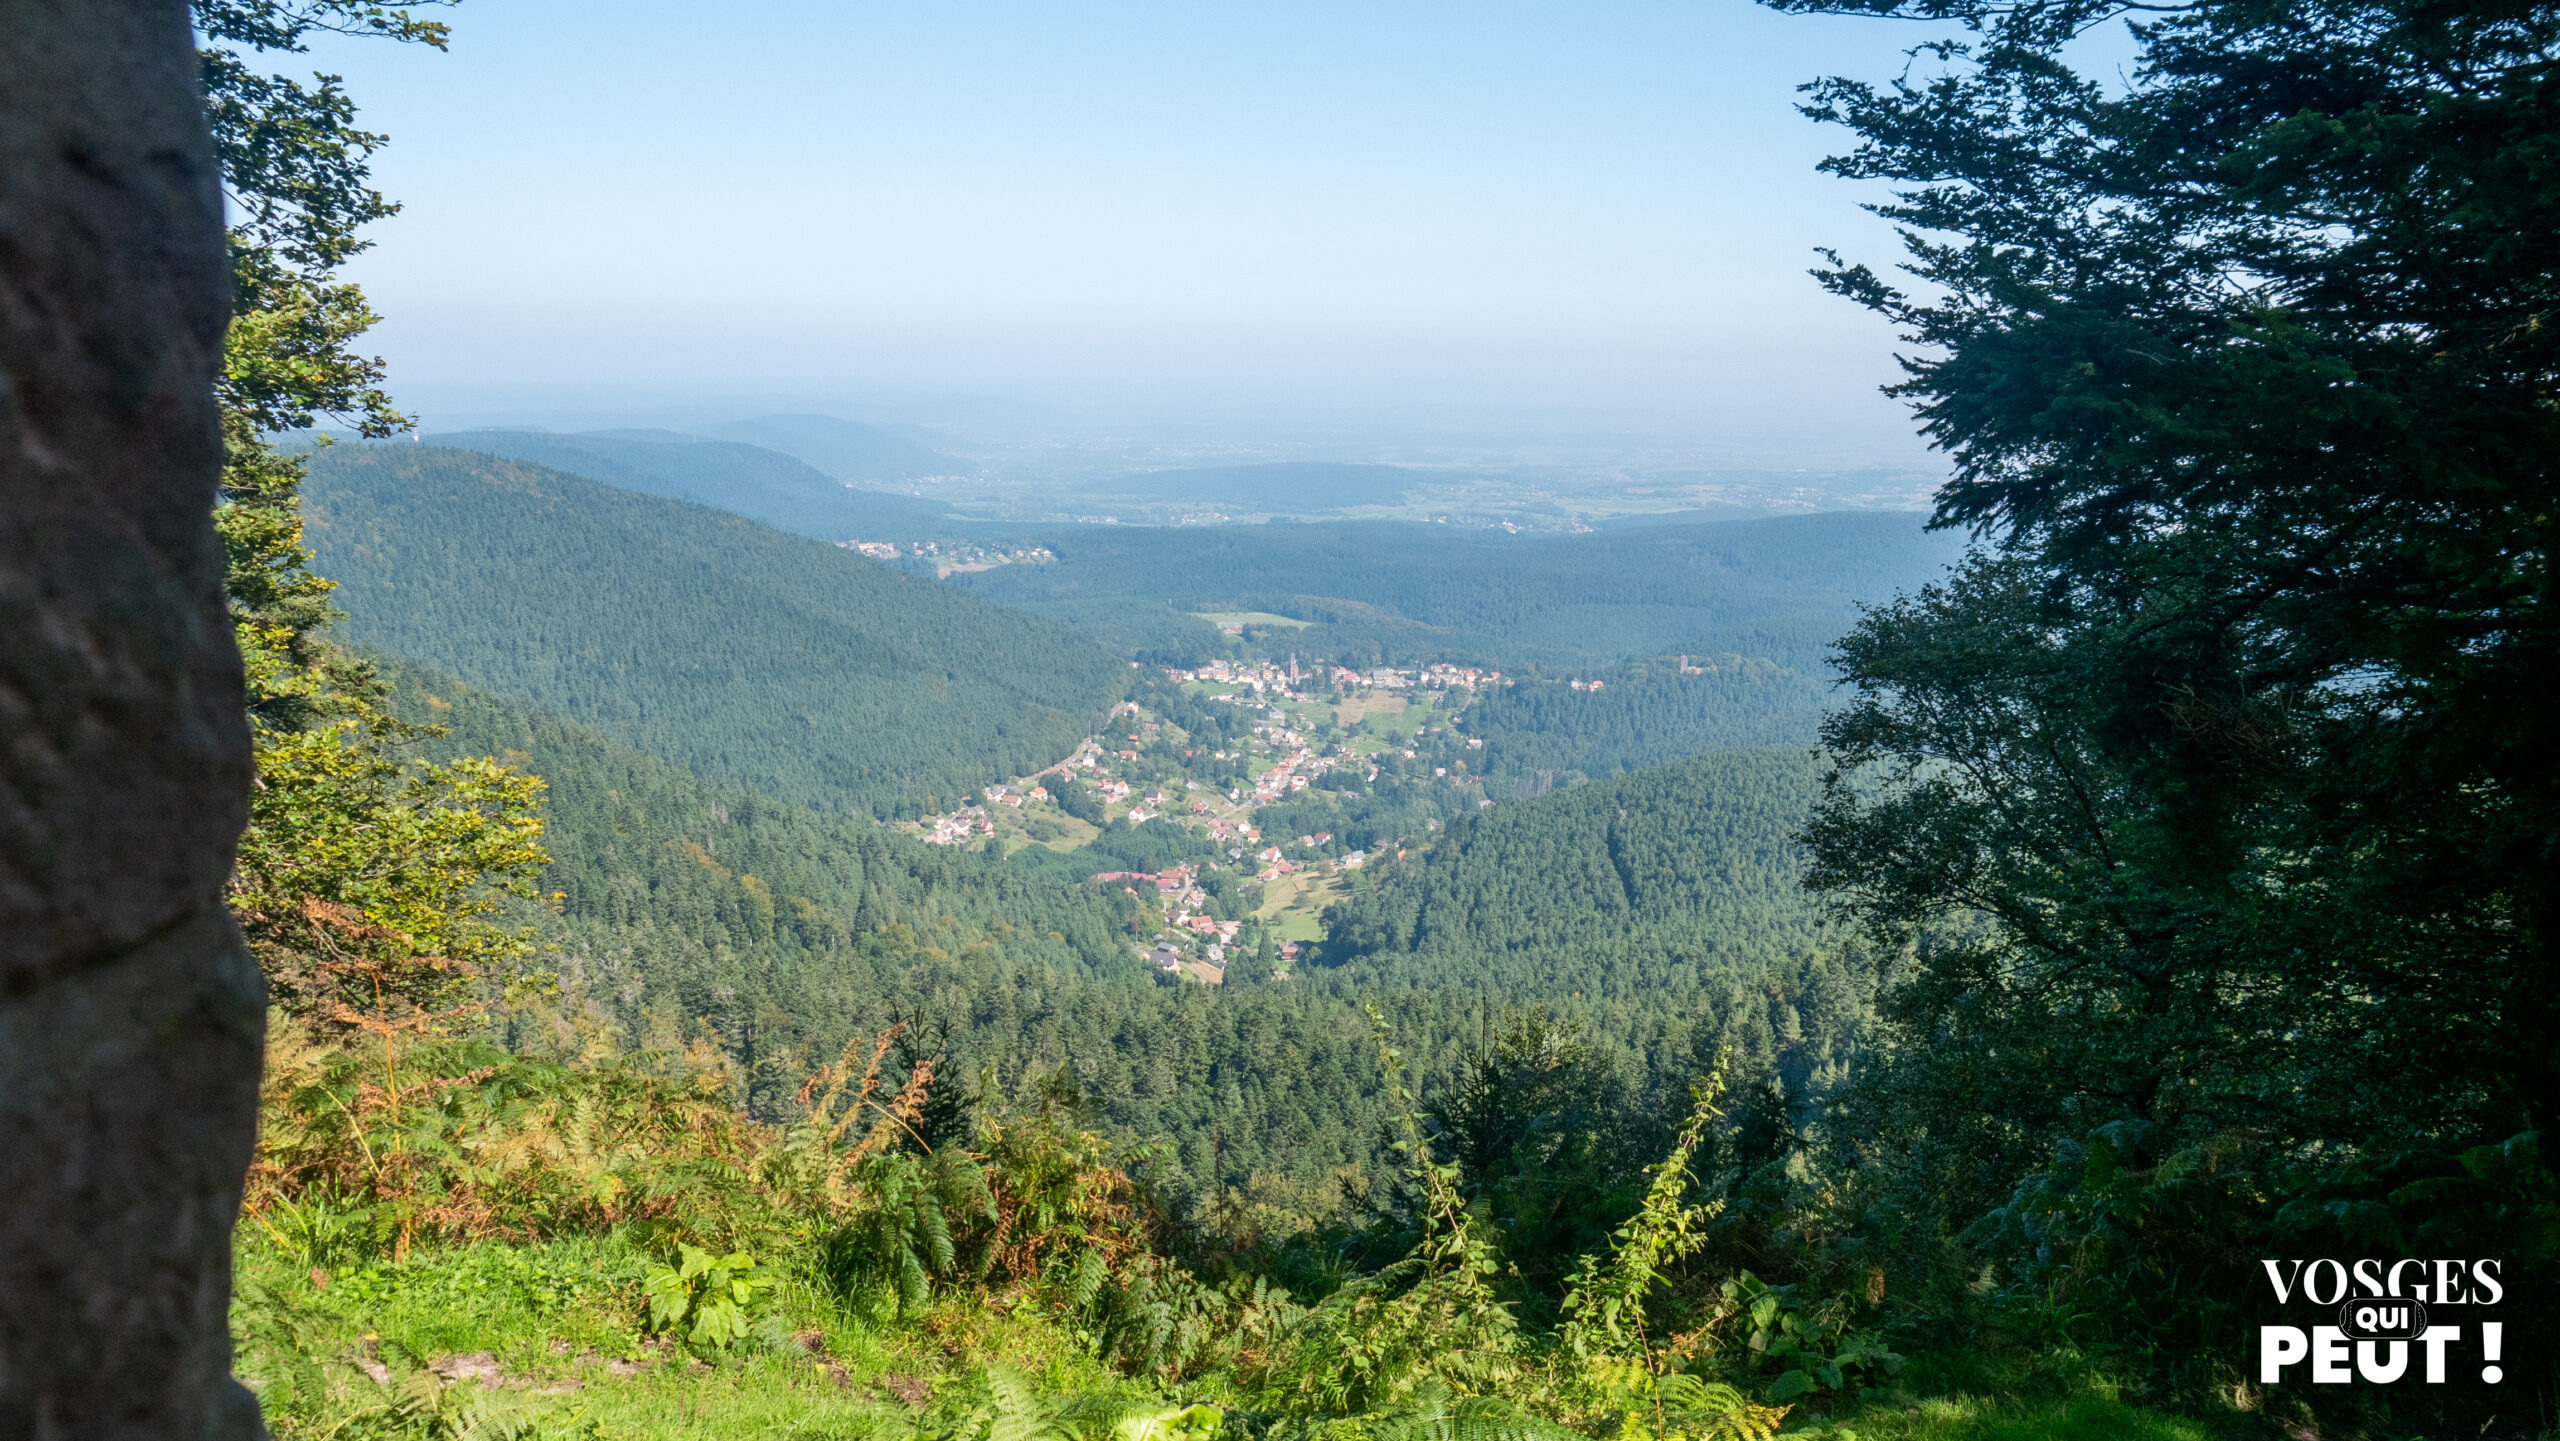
pixel 129 1015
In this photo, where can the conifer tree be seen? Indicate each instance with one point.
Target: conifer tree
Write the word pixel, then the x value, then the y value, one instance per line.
pixel 2213 801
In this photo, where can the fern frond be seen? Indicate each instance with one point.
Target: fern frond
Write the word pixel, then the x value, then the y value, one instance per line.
pixel 933 1228
pixel 1085 1282
pixel 1713 1411
pixel 1018 1414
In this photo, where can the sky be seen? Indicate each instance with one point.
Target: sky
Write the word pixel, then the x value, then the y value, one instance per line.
pixel 1544 230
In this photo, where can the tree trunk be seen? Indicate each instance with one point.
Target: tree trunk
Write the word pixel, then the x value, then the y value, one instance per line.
pixel 129 1015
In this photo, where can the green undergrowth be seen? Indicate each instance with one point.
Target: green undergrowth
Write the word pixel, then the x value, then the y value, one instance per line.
pixel 448 1244
pixel 2090 1417
pixel 551 1339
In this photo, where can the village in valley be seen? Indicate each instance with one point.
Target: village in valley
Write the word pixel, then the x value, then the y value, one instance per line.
pixel 1236 800
pixel 948 558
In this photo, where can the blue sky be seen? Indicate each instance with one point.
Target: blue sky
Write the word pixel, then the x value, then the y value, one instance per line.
pixel 1581 225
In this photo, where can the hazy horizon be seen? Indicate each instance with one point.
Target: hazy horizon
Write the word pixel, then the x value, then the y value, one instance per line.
pixel 1429 235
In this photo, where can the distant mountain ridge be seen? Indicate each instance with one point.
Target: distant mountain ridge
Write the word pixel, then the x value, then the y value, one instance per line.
pixel 760 484
pixel 1777 588
pixel 849 450
pixel 747 655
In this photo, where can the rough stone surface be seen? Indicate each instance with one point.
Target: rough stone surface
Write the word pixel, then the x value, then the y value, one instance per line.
pixel 129 1016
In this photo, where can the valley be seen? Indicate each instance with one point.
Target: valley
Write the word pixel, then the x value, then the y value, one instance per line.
pixel 1063 825
pixel 1251 725
pixel 1222 752
pixel 786 664
pixel 1142 869
pixel 1234 800
pixel 1771 587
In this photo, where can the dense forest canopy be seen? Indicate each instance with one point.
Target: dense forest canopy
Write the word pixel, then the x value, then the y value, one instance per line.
pixel 794 667
pixel 1664 905
pixel 1544 731
pixel 1654 872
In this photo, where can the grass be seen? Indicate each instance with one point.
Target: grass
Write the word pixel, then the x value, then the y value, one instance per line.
pixel 557 1316
pixel 1399 725
pixel 1975 1418
pixel 1073 834
pixel 1295 904
pixel 1354 709
pixel 1299 926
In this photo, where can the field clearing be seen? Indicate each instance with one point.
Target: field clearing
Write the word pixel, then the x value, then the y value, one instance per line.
pixel 1300 926
pixel 1072 834
pixel 1352 710
pixel 1402 724
pixel 1389 733
pixel 1295 904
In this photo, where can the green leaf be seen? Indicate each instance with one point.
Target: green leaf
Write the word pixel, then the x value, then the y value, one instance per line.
pixel 1789 1386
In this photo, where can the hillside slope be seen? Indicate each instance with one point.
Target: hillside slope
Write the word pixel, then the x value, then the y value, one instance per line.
pixel 678 865
pixel 794 668
pixel 1664 906
pixel 1540 733
pixel 695 911
pixel 1612 888
pixel 760 484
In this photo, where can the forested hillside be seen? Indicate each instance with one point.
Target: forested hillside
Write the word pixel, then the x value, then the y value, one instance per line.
pixel 1543 732
pixel 1652 902
pixel 2172 890
pixel 697 912
pixel 693 911
pixel 757 483
pixel 1779 589
pixel 797 669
